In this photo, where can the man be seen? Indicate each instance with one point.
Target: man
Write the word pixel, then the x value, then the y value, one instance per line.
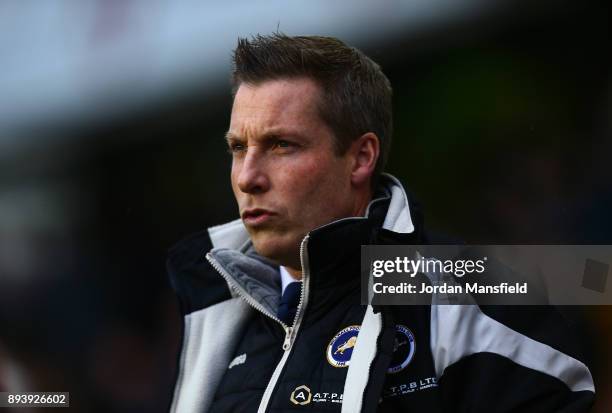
pixel 271 302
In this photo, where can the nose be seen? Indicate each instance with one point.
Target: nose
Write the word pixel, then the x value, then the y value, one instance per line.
pixel 252 177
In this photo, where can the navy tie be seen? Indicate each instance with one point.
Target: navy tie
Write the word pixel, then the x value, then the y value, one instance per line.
pixel 289 302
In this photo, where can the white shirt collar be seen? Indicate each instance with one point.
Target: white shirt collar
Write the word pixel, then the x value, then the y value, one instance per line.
pixel 286 278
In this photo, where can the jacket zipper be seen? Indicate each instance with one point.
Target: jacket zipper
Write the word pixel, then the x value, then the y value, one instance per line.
pixel 290 332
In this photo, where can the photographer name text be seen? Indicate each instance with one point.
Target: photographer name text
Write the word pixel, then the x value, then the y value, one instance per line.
pixel 468 288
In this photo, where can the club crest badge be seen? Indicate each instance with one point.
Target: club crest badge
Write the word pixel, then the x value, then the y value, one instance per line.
pixel 404 347
pixel 341 347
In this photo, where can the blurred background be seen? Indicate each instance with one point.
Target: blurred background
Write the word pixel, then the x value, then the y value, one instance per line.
pixel 112 116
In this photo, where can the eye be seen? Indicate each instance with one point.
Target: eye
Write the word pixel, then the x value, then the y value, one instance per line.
pixel 283 144
pixel 236 147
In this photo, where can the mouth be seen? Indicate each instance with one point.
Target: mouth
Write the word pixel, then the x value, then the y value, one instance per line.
pixel 256 217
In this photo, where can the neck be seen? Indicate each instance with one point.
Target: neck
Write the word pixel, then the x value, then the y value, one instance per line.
pixel 359 210
pixel 295 273
pixel 361 203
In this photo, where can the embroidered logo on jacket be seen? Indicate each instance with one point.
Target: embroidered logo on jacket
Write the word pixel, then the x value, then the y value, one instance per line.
pixel 403 349
pixel 301 395
pixel 341 347
pixel 237 361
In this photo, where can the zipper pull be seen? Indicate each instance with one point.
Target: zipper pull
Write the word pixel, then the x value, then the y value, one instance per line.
pixel 288 338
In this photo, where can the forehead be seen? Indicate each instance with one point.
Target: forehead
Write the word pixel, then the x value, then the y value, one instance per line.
pixel 275 104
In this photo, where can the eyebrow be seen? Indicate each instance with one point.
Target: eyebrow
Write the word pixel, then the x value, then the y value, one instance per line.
pixel 272 134
pixel 230 136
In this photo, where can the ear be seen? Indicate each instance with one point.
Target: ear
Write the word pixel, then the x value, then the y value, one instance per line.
pixel 365 151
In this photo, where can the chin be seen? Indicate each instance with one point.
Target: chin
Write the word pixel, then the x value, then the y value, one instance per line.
pixel 274 250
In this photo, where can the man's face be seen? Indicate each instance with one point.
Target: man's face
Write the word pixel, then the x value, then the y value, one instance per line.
pixel 285 175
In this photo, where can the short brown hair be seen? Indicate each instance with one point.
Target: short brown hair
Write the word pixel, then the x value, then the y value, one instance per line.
pixel 356 93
